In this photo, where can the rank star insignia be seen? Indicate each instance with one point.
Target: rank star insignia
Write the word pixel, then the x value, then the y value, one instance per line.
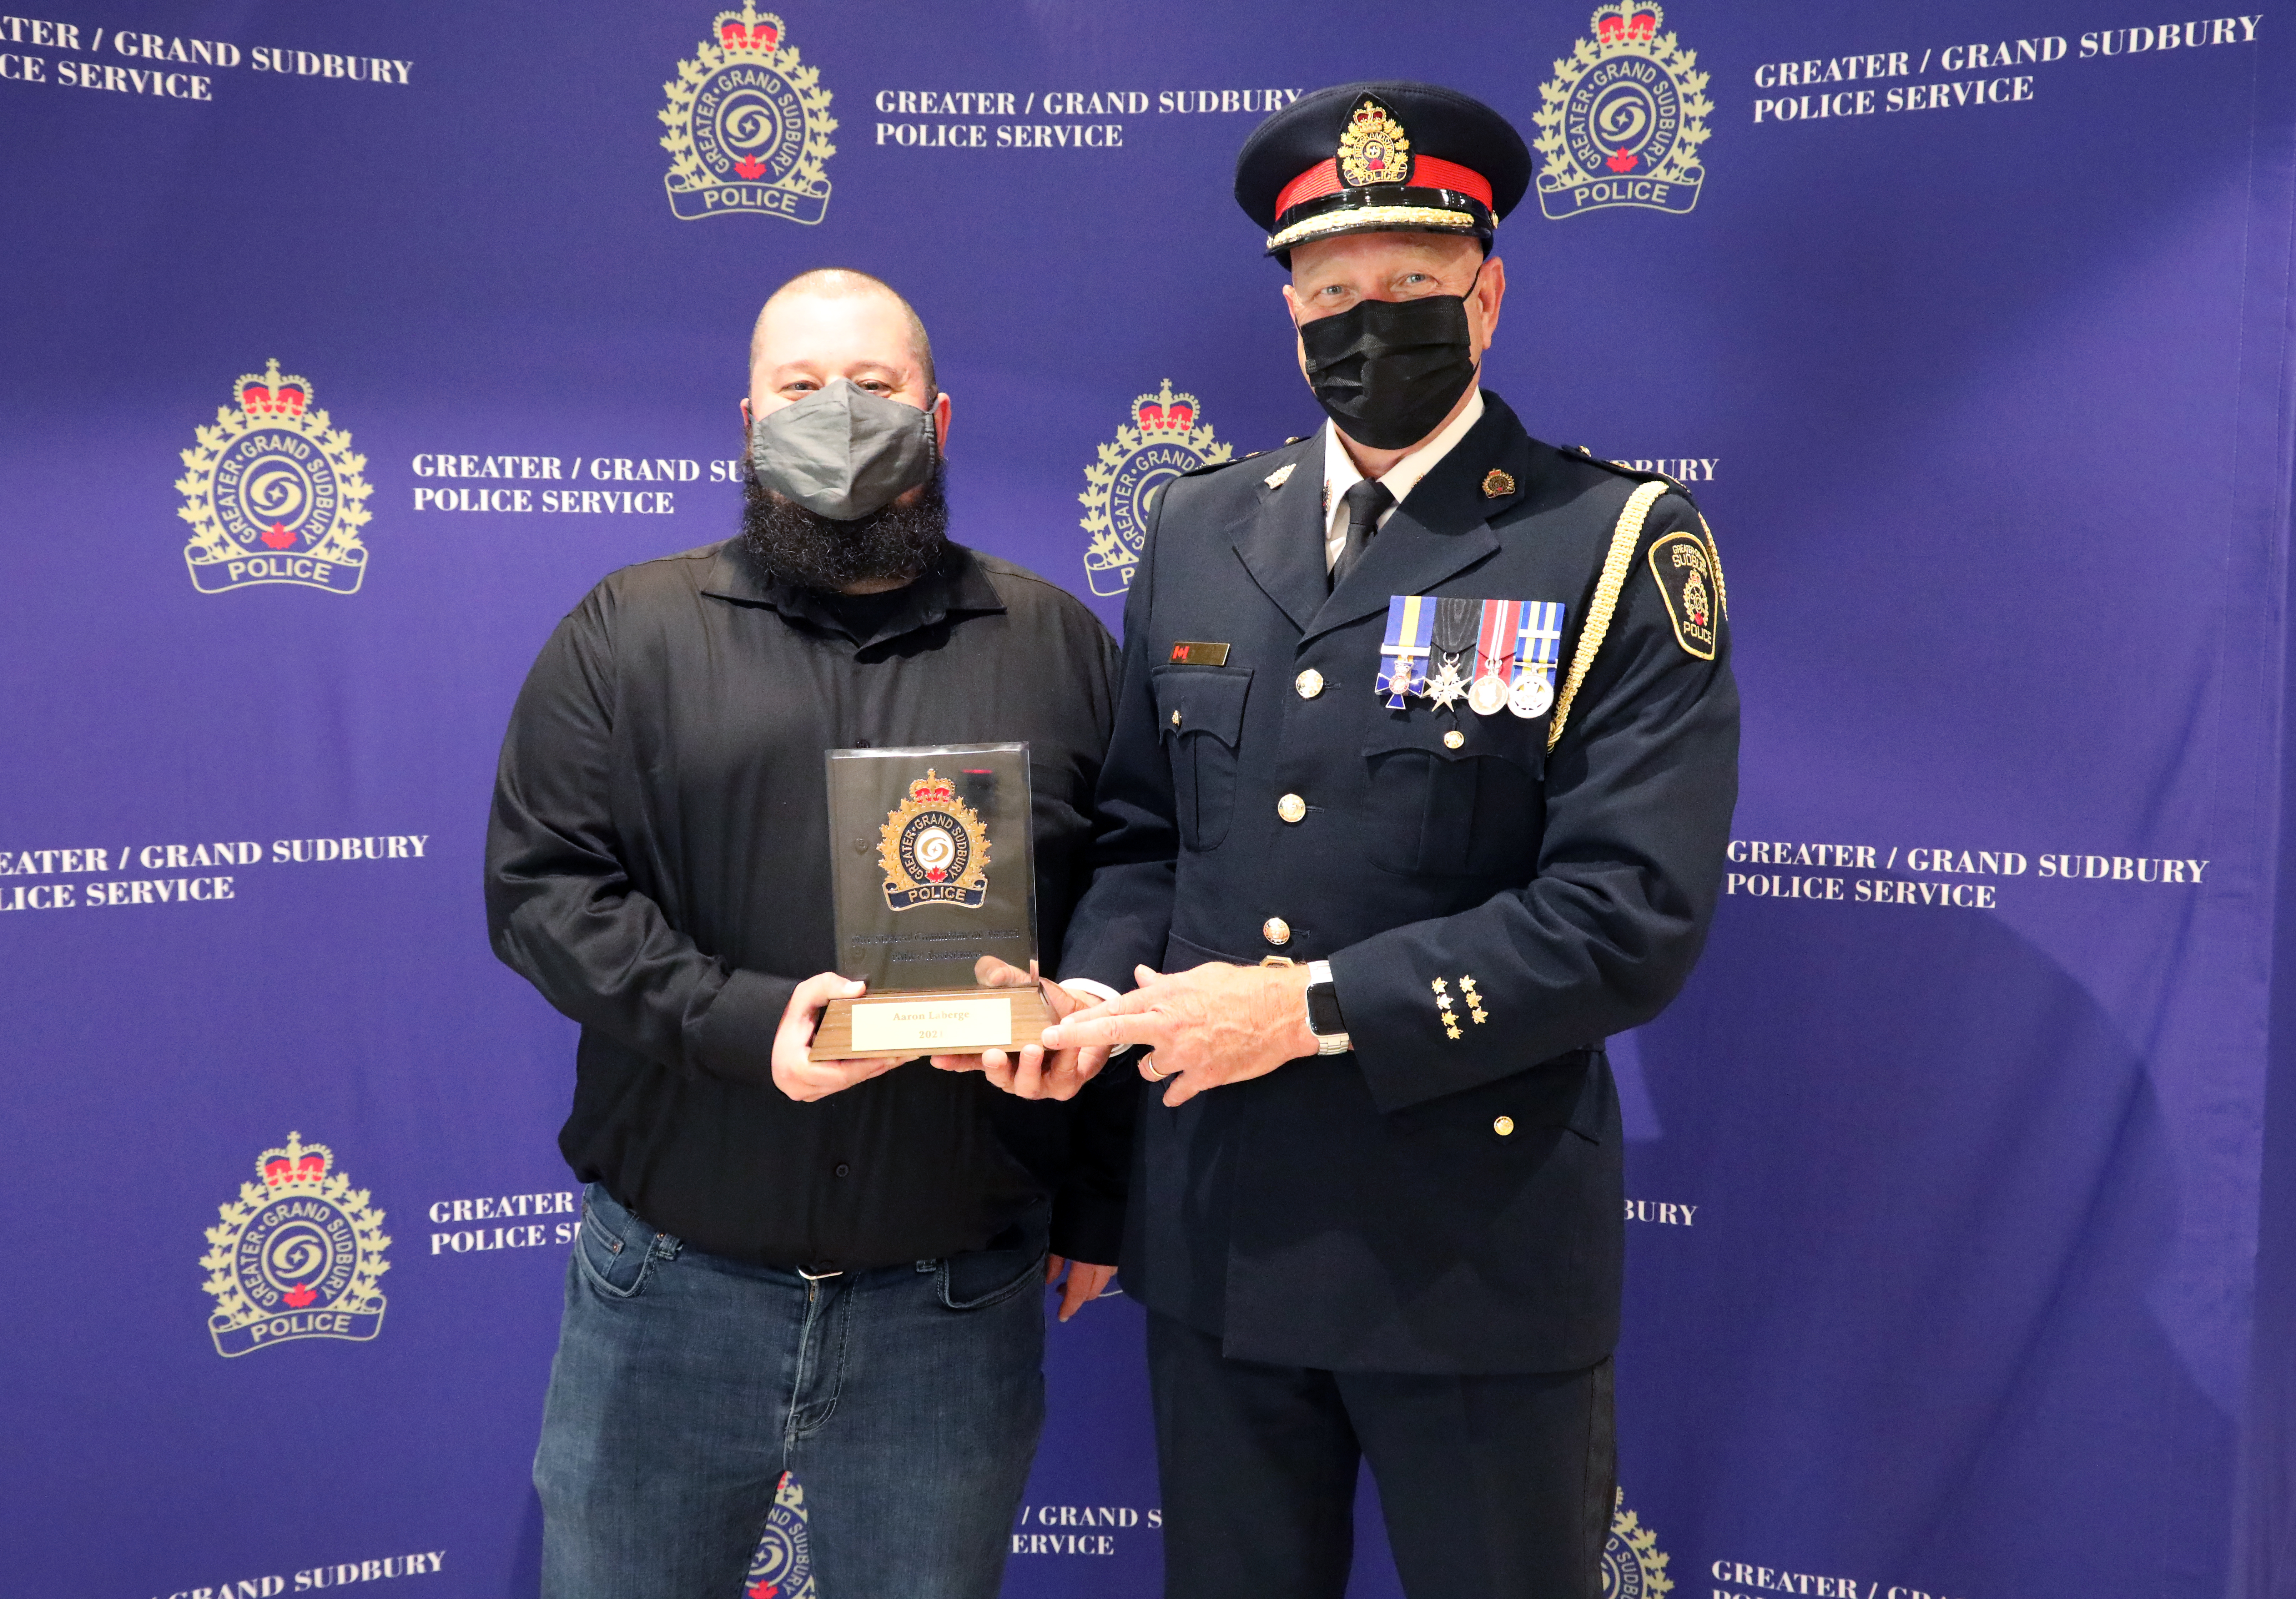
pixel 1451 1031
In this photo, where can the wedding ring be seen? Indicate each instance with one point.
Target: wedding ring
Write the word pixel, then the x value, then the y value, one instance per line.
pixel 1148 1065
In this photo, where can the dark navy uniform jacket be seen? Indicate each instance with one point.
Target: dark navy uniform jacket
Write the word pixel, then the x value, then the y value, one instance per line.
pixel 1422 1203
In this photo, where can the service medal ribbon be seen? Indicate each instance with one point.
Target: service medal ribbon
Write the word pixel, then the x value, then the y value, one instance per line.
pixel 1410 626
pixel 1537 647
pixel 1494 648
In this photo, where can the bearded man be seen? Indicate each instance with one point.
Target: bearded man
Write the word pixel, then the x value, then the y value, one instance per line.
pixel 791 1265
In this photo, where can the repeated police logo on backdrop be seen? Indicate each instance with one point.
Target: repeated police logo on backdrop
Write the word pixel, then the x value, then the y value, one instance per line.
pixel 297 1256
pixel 748 126
pixel 273 493
pixel 782 1567
pixel 1623 120
pixel 1167 436
pixel 1632 1566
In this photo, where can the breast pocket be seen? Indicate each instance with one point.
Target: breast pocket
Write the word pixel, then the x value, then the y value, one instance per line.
pixel 1200 711
pixel 1469 807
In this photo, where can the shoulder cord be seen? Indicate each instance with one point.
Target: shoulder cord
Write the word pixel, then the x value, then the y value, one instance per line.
pixel 1714 551
pixel 1613 582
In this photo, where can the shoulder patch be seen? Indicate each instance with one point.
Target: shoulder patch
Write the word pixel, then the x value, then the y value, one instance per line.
pixel 1683 570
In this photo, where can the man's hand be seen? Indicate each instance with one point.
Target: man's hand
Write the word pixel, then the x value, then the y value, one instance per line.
pixel 1028 1073
pixel 795 1072
pixel 1211 1025
pixel 1085 1282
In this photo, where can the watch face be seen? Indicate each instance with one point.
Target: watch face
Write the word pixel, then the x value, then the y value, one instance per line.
pixel 1324 1010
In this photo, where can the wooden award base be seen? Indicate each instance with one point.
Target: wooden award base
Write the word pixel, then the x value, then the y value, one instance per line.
pixel 898 1025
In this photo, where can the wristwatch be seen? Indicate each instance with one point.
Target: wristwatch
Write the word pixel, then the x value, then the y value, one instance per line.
pixel 1323 1017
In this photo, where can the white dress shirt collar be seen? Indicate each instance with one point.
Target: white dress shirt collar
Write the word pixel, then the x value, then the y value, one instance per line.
pixel 1340 474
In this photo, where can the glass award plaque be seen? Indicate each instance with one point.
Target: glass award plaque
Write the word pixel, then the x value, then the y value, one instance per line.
pixel 934 866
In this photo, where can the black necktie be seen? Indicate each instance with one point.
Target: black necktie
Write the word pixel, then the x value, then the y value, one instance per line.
pixel 1365 502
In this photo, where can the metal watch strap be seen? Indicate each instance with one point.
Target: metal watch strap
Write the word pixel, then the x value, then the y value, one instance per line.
pixel 1323 1017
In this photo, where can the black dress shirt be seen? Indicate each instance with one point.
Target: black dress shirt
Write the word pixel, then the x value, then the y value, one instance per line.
pixel 658 867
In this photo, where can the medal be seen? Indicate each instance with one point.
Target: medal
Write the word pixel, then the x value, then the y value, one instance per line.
pixel 1457 622
pixel 1403 658
pixel 1539 645
pixel 1494 645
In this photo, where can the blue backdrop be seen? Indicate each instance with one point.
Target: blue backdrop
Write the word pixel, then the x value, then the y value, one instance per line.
pixel 1960 1252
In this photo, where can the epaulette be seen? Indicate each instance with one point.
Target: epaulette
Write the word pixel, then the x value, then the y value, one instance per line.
pixel 1642 475
pixel 1212 466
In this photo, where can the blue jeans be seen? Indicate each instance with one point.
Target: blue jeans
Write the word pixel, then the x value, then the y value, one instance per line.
pixel 905 1401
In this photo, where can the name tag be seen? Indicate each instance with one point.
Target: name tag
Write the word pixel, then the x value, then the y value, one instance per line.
pixel 932 1026
pixel 1191 654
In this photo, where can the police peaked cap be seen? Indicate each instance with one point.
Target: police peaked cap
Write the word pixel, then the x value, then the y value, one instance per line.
pixel 1379 158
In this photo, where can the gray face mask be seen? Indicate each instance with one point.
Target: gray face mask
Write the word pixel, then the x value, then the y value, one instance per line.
pixel 842 452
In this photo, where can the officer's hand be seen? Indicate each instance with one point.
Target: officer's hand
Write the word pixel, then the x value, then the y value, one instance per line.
pixel 797 1072
pixel 1085 1282
pixel 1030 1072
pixel 1208 1026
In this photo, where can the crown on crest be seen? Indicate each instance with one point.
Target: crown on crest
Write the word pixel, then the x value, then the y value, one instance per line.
pixel 1628 22
pixel 932 789
pixel 750 30
pixel 267 393
pixel 1164 412
pixel 299 1164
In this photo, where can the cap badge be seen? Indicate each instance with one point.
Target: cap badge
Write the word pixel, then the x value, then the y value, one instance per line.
pixel 1373 148
pixel 1497 484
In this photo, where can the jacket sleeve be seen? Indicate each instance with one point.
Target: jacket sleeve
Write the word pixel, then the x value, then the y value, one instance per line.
pixel 561 909
pixel 1089 1207
pixel 1639 794
pixel 1125 915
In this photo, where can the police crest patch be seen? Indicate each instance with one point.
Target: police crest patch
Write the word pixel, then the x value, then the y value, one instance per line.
pixel 1622 120
pixel 1167 437
pixel 782 1567
pixel 1632 1566
pixel 274 492
pixel 749 126
pixel 933 849
pixel 1685 571
pixel 297 1256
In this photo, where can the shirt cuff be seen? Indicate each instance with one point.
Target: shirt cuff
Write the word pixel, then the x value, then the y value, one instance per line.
pixel 1100 991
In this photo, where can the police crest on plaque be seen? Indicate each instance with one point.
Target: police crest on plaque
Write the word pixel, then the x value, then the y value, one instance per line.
pixel 934 849
pixel 1622 120
pixel 274 492
pixel 1167 437
pixel 749 126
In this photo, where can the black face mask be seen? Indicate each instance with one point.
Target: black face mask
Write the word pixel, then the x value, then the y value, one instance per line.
pixel 1388 371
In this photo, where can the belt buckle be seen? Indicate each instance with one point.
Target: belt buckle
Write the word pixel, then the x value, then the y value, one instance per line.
pixel 819 1276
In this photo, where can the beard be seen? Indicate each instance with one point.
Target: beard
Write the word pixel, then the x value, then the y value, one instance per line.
pixel 897 542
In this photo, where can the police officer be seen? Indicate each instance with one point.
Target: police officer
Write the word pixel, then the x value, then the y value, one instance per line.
pixel 1423 772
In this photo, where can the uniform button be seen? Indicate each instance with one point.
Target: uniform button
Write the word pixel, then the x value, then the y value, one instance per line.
pixel 1175 718
pixel 1503 1126
pixel 1310 683
pixel 1291 808
pixel 1275 929
pixel 845 1170
pixel 1454 739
